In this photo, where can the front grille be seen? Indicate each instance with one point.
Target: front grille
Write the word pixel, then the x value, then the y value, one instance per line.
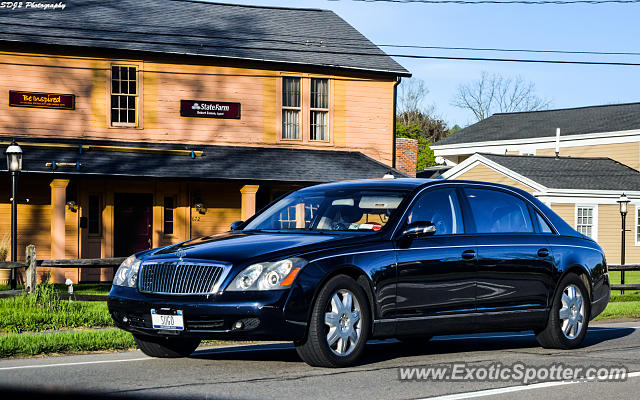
pixel 180 278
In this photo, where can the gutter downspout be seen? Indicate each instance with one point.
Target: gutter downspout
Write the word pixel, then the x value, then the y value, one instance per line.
pixel 395 112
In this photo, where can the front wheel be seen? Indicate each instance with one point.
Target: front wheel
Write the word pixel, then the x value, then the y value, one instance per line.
pixel 163 347
pixel 339 325
pixel 569 315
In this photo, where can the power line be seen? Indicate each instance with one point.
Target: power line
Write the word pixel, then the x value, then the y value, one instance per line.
pixel 605 53
pixel 525 2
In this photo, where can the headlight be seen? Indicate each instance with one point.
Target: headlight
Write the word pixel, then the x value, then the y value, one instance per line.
pixel 127 274
pixel 268 275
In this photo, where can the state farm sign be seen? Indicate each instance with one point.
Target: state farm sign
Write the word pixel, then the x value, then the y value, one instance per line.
pixel 209 109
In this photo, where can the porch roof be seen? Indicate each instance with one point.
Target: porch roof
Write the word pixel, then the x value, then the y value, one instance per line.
pixel 169 161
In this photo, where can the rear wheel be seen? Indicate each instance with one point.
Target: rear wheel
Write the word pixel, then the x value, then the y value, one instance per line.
pixel 339 325
pixel 569 315
pixel 163 347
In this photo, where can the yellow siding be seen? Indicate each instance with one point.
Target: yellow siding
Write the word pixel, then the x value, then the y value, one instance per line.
pixel 626 153
pixel 483 173
pixel 565 211
pixel 362 117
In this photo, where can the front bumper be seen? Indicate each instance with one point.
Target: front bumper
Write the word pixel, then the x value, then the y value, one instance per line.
pixel 261 313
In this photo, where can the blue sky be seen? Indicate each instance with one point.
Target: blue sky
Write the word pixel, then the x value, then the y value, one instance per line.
pixel 604 27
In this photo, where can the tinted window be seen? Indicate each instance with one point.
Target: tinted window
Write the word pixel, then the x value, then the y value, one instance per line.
pixel 498 212
pixel 440 207
pixel 544 227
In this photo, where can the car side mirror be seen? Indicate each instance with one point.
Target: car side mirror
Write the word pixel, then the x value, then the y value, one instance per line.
pixel 236 225
pixel 419 229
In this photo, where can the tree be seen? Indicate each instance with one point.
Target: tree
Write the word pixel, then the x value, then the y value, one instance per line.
pixel 493 93
pixel 415 122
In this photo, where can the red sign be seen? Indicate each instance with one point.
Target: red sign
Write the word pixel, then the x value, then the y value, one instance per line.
pixel 209 109
pixel 42 100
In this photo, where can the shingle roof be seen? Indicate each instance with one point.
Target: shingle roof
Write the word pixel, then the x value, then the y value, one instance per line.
pixel 572 173
pixel 535 124
pixel 216 162
pixel 273 34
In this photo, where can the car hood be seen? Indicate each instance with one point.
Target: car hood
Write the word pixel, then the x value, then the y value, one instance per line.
pixel 238 247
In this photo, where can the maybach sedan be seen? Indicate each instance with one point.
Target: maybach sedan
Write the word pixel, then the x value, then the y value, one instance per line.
pixel 329 267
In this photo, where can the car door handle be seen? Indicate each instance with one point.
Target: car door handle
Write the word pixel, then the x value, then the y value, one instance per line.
pixel 543 253
pixel 469 254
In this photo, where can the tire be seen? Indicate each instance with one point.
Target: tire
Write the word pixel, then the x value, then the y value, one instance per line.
pixel 569 332
pixel 340 340
pixel 163 347
pixel 414 340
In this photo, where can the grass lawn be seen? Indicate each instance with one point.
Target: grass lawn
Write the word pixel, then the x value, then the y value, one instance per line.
pixel 79 288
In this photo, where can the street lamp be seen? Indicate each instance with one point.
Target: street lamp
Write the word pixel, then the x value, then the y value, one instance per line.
pixel 623 201
pixel 14 165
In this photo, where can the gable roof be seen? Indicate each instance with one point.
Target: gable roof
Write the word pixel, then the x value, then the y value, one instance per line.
pixel 538 124
pixel 572 172
pixel 197 28
pixel 172 161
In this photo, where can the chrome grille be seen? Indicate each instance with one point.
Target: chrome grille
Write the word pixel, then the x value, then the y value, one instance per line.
pixel 180 278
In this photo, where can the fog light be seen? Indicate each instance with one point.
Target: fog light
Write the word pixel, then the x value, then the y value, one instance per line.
pixel 238 325
pixel 125 320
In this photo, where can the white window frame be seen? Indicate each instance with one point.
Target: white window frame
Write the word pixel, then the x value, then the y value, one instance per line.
pixel 636 215
pixel 299 109
pixel 134 124
pixel 325 111
pixel 594 226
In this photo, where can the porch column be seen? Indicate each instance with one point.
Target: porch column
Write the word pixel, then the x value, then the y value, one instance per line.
pixel 248 202
pixel 58 202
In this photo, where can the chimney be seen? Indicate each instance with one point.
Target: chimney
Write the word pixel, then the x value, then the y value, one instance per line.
pixel 407 155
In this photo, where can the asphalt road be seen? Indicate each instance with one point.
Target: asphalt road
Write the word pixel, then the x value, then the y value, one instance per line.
pixel 274 371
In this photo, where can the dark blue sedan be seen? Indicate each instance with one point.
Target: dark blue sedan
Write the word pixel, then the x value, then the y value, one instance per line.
pixel 331 266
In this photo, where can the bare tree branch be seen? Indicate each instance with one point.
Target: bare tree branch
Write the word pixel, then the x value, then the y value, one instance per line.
pixel 493 93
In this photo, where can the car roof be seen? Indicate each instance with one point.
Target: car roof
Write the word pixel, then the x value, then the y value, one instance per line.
pixel 392 184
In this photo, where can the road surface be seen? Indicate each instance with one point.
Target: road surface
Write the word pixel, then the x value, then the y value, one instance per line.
pixel 274 371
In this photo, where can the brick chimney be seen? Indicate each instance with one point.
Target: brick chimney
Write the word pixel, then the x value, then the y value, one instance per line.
pixel 407 155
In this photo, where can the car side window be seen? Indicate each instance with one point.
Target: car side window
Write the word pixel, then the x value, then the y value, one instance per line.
pixel 498 212
pixel 544 226
pixel 440 207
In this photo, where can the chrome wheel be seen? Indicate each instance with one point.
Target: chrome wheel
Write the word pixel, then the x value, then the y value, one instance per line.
pixel 571 312
pixel 343 321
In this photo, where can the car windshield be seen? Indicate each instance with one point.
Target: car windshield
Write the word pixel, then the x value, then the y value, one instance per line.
pixel 334 210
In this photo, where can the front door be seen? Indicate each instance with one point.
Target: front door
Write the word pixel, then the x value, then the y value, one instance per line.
pixel 436 274
pixel 133 223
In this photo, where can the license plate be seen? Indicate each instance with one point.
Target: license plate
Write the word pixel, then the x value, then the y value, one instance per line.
pixel 167 320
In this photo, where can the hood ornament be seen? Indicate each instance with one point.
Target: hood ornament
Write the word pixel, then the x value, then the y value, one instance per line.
pixel 181 253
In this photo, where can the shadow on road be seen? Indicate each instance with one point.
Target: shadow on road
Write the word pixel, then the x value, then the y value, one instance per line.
pixel 382 350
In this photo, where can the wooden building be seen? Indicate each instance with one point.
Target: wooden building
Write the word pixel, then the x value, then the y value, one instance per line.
pixel 148 123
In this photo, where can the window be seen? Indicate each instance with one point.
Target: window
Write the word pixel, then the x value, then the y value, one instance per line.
pixel 168 215
pixel 637 225
pixel 124 96
pixel 319 109
pixel 441 208
pixel 498 212
pixel 291 108
pixel 544 226
pixel 585 220
pixel 94 214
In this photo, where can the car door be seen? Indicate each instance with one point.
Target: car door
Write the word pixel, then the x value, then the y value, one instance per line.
pixel 436 274
pixel 515 264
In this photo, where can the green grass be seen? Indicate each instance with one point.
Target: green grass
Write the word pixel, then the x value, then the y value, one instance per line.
pixel 629 277
pixel 622 309
pixel 16 344
pixel 45 311
pixel 80 288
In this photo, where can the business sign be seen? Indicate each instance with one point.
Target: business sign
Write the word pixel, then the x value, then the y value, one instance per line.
pixel 42 100
pixel 209 109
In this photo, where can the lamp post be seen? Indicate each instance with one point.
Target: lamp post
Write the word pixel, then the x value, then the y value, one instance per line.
pixel 623 201
pixel 14 165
